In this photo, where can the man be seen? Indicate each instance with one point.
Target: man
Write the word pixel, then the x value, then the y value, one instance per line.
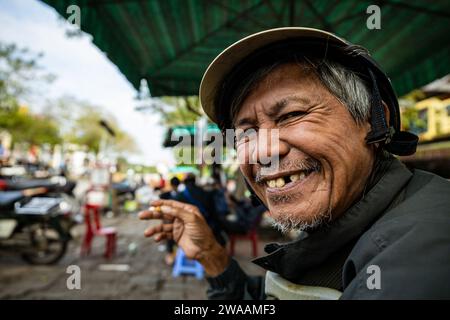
pixel 172 194
pixel 371 228
pixel 2 152
pixel 247 215
pixel 204 201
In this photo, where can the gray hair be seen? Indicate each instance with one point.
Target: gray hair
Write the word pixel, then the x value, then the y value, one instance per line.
pixel 346 85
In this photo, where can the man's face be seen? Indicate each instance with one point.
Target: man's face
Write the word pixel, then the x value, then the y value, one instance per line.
pixel 324 161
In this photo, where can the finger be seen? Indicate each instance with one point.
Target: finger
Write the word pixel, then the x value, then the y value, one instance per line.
pixel 152 213
pixel 162 236
pixel 178 209
pixel 164 227
pixel 158 229
pixel 174 204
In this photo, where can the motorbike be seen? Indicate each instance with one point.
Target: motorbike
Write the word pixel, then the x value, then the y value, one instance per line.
pixel 56 184
pixel 37 225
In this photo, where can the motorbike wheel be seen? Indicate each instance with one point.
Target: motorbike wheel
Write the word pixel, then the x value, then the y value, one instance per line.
pixel 47 245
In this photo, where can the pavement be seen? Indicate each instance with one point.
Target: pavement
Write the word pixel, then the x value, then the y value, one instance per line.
pixel 143 276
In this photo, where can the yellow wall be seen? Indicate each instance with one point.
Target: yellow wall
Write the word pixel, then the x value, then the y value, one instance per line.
pixel 437 115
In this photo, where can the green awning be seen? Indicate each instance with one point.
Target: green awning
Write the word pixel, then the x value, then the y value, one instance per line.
pixel 171 42
pixel 176 134
pixel 184 169
pixel 192 130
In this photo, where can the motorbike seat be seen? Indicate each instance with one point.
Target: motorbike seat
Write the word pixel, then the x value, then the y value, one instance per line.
pixel 7 198
pixel 28 184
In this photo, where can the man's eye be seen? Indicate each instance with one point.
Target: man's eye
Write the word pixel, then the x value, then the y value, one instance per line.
pixel 244 135
pixel 291 116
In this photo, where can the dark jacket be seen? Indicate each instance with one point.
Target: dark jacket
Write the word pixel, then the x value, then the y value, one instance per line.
pixel 204 201
pixel 401 225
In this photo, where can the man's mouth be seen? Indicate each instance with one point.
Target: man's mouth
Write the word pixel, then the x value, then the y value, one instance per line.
pixel 290 175
pixel 291 179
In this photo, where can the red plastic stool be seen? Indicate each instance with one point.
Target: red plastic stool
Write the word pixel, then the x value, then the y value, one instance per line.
pixel 109 232
pixel 252 235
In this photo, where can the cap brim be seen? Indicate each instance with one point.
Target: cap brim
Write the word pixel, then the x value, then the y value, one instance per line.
pixel 235 53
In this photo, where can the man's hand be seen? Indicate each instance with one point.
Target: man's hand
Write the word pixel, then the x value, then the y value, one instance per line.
pixel 186 226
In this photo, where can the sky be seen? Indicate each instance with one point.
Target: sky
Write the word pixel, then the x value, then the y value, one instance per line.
pixel 82 71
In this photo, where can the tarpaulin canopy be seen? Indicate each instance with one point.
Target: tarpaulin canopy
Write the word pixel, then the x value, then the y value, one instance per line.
pixel 171 42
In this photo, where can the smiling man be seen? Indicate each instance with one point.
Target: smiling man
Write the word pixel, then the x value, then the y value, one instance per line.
pixel 370 228
pixel 319 172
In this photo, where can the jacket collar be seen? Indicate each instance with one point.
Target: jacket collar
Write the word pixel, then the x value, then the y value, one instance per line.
pixel 310 250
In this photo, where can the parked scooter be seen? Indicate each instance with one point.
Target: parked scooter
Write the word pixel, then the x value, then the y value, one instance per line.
pixel 56 184
pixel 36 224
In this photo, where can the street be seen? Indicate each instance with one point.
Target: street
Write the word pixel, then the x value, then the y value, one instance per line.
pixel 147 276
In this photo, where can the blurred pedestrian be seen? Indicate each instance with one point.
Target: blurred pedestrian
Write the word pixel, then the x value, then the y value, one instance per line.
pixel 204 201
pixel 2 152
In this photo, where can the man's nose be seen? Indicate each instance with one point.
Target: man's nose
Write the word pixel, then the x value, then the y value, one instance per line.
pixel 269 147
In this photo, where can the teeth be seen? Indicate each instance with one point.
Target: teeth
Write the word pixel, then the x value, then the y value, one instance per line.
pixel 280 183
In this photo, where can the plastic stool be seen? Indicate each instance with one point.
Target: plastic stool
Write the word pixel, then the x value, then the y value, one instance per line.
pixel 184 265
pixel 93 212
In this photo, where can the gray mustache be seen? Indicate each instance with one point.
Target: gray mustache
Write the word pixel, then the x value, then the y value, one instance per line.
pixel 307 164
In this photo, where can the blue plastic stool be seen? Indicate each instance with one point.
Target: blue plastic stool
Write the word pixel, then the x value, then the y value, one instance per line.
pixel 184 265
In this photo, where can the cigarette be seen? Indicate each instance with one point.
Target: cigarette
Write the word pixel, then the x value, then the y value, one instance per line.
pixel 157 208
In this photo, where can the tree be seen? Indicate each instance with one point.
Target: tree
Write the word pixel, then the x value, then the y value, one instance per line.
pixel 19 69
pixel 19 74
pixel 173 111
pixel 28 127
pixel 79 123
pixel 66 119
pixel 186 110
